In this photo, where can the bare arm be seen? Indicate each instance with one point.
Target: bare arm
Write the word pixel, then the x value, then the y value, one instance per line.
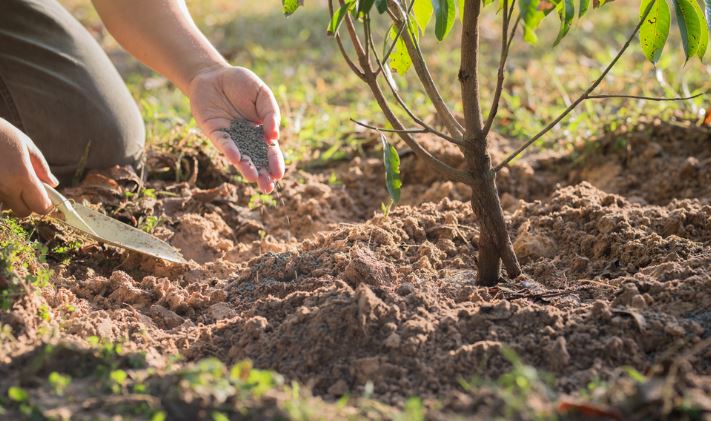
pixel 162 35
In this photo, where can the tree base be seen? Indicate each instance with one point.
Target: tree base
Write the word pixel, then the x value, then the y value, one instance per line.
pixel 495 245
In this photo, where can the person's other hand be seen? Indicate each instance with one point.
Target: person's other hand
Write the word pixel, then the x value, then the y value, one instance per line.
pixel 22 171
pixel 221 94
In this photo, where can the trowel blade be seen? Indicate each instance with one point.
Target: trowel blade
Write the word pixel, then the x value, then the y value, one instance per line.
pixel 108 230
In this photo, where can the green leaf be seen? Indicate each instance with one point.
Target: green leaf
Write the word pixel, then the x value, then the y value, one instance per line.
pixel 414 409
pixel 386 208
pixel 460 4
pixel 445 13
pixel 381 5
pixel 531 17
pixel 337 17
pixel 158 416
pixel 567 13
pixel 689 26
pixel 654 31
pixel 422 10
pixel 219 416
pixel 400 61
pixel 290 6
pixel 704 31
pixel 392 169
pixel 584 6
pixel 17 394
pixel 118 376
pixel 635 374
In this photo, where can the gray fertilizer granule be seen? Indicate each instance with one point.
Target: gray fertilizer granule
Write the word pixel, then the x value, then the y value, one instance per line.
pixel 250 142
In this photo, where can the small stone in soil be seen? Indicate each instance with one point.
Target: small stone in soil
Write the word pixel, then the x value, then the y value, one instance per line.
pixel 249 139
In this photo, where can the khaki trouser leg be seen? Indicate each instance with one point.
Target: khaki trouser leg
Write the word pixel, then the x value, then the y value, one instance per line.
pixel 58 86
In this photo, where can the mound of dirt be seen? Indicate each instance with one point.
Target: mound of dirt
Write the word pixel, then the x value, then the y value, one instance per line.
pixel 327 291
pixel 391 301
pixel 653 164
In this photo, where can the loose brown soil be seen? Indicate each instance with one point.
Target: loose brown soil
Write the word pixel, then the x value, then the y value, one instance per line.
pixel 615 242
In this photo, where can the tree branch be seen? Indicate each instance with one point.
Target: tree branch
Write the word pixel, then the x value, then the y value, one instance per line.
pixel 469 78
pixel 351 64
pixel 441 167
pixel 360 53
pixel 427 128
pixel 397 36
pixel 502 67
pixel 381 129
pixel 511 9
pixel 366 35
pixel 585 95
pixel 371 80
pixel 645 98
pixel 423 73
pixel 513 31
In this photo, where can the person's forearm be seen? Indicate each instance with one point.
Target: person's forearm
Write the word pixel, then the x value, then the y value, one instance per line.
pixel 162 35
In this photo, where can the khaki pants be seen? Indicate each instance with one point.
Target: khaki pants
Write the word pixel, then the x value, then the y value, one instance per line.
pixel 58 86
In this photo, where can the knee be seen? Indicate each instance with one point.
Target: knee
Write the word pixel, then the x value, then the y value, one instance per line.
pixel 119 137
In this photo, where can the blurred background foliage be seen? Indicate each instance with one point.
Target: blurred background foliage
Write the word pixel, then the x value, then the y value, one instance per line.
pixel 318 94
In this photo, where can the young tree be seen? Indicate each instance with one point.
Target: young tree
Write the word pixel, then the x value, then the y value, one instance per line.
pixel 409 21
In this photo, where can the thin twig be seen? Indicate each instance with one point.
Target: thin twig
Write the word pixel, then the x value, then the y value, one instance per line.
pixel 515 295
pixel 502 69
pixel 513 32
pixel 585 95
pixel 645 98
pixel 381 129
pixel 351 64
pixel 362 58
pixel 366 35
pixel 511 9
pixel 392 46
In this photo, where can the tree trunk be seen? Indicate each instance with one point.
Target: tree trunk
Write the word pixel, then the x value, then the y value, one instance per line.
pixel 494 243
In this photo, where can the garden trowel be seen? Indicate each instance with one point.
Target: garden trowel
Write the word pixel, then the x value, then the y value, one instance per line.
pixel 108 230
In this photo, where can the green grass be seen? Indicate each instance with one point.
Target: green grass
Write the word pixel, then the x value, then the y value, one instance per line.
pixel 130 389
pixel 22 263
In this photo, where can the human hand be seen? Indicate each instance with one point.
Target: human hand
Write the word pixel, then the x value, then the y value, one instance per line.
pixel 22 171
pixel 221 94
